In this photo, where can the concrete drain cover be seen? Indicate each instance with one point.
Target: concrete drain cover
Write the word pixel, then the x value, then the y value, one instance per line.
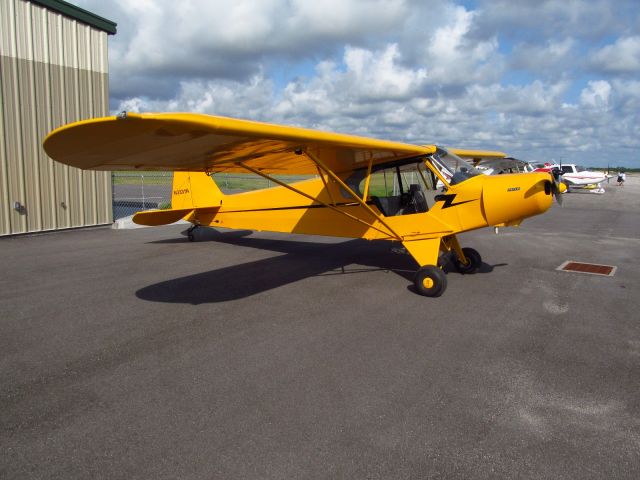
pixel 591 268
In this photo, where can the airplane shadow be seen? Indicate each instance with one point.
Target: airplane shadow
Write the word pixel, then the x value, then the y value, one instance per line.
pixel 209 235
pixel 299 260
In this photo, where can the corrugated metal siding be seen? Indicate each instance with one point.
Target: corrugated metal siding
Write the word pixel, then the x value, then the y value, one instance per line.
pixel 53 71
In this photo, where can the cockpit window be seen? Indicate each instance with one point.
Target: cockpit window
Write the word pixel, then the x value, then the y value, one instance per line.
pixel 398 179
pixel 397 188
pixel 453 168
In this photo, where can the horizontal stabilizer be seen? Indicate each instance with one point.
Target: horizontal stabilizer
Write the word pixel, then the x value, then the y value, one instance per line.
pixel 154 218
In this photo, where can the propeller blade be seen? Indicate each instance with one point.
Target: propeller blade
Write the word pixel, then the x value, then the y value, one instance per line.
pixel 556 190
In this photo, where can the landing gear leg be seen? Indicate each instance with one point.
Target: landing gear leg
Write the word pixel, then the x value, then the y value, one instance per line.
pixel 473 261
pixel 429 280
pixel 190 234
pixel 467 260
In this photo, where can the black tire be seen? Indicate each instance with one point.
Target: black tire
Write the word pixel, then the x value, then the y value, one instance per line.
pixel 475 261
pixel 430 281
pixel 191 237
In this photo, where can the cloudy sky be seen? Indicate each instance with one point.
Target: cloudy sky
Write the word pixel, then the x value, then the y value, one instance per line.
pixel 557 79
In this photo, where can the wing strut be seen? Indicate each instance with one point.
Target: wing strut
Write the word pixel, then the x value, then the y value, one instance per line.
pixel 332 207
pixel 368 180
pixel 355 196
pixel 333 202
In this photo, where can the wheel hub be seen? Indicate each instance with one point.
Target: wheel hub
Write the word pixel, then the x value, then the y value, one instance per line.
pixel 427 282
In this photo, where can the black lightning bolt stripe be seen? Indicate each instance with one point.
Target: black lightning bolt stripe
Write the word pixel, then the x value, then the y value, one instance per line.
pixel 448 200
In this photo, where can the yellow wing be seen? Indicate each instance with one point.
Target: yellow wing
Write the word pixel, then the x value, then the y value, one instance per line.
pixel 195 142
pixel 476 155
pixel 492 160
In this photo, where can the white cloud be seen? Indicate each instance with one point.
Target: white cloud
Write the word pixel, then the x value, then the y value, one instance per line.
pixel 165 34
pixel 621 57
pixel 547 58
pixel 543 19
pixel 533 99
pixel 507 75
pixel 626 96
pixel 250 99
pixel 342 19
pixel 596 94
pixel 378 75
pixel 454 60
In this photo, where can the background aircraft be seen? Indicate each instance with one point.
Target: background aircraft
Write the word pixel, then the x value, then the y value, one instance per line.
pixel 362 187
pixel 493 163
pixel 576 177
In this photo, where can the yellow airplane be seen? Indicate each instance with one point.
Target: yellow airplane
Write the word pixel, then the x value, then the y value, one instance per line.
pixel 358 187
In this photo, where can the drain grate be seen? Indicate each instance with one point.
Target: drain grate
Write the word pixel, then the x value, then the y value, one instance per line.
pixel 591 268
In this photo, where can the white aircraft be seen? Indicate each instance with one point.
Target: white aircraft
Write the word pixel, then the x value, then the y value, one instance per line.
pixel 577 177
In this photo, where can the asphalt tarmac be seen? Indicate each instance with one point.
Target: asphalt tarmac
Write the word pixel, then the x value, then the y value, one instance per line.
pixel 137 354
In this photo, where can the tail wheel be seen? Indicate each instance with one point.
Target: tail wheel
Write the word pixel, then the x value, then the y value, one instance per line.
pixel 474 261
pixel 190 235
pixel 430 281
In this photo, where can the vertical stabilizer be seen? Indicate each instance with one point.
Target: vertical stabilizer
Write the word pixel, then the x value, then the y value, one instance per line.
pixel 194 189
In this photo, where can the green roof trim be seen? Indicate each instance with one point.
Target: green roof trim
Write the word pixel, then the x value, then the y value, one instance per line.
pixel 79 14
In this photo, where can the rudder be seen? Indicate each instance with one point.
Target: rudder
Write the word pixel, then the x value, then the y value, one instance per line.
pixel 194 190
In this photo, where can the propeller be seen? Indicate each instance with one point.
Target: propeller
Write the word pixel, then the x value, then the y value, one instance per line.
pixel 557 187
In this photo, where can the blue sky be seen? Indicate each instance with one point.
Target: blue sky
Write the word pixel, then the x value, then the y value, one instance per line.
pixel 541 80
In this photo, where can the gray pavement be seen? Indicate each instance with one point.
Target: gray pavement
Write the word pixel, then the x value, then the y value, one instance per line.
pixel 136 354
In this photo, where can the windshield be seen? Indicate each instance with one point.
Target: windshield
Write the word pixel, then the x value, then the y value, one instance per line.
pixel 453 168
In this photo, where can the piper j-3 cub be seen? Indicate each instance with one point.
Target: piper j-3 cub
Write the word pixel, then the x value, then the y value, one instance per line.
pixel 360 187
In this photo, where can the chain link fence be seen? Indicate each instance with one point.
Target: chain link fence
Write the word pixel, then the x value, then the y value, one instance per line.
pixel 136 191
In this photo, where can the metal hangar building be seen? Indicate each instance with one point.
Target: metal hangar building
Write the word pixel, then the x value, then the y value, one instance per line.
pixel 53 70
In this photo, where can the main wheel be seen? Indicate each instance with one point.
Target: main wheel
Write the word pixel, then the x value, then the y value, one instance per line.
pixel 430 281
pixel 474 258
pixel 191 237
